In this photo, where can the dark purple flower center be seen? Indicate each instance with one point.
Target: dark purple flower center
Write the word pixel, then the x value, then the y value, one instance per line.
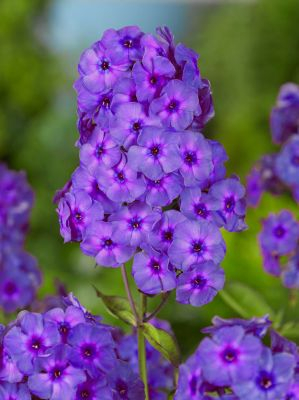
pixel 84 394
pixel 295 160
pixel 88 351
pixel 279 231
pixel 64 329
pixel 136 126
pixel 99 151
pixel 10 288
pixel 56 373
pixel 153 80
pixel 120 177
pixel 199 282
pixel 78 216
pixel 173 106
pixel 229 204
pixel 108 243
pixel 230 355
pixel 190 158
pixel 122 388
pixel 155 266
pixel 201 210
pixel 106 102
pixel 167 236
pixel 155 150
pixel 104 65
pixel 133 96
pixel 197 247
pixel 35 344
pixel 128 43
pixel 265 380
pixel 136 223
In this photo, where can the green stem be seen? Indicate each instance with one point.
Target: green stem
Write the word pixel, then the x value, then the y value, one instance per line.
pixel 158 308
pixel 141 348
pixel 129 294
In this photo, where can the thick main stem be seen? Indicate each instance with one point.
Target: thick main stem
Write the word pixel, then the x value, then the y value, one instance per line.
pixel 142 348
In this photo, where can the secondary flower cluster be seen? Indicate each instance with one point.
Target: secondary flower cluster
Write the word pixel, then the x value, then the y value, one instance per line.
pixel 64 353
pixel 19 275
pixel 233 363
pixel 279 242
pixel 278 172
pixel 149 184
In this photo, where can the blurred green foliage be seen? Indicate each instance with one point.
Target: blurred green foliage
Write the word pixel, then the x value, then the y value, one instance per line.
pixel 247 51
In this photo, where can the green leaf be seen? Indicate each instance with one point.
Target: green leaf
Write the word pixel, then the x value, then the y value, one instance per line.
pixel 162 341
pixel 245 301
pixel 290 329
pixel 118 306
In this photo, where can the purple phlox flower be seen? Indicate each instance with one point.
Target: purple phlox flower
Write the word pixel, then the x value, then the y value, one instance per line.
pixel 59 194
pixel 65 320
pixel 12 391
pixel 230 203
pixel 134 223
pixel 92 348
pixel 287 162
pixel 177 105
pixel 291 273
pixel 230 356
pixel 284 119
pixel 9 371
pixel 198 205
pixel 270 181
pixel 254 187
pixel 76 210
pixel 165 34
pixel 55 378
pixel 100 67
pixel 83 179
pixel 100 148
pixel 161 192
pixel 129 122
pixel 153 273
pixel 121 183
pixel 196 242
pixel 196 155
pixel 151 75
pixel 125 42
pixel 200 284
pixel 99 242
pixel 279 344
pixel 92 105
pixel 30 339
pixel 94 390
pixel 124 91
pixel 19 280
pixel 71 300
pixel 157 153
pixel 125 384
pixel 293 391
pixel 153 47
pixel 85 126
pixel 190 380
pixel 184 56
pixel 280 233
pixel 271 263
pixel 272 379
pixel 161 236
pixel 205 101
pixel 257 326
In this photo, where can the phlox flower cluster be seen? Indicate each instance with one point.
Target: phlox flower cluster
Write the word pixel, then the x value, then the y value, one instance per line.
pixel 233 363
pixel 150 185
pixel 19 274
pixel 279 243
pixel 64 353
pixel 278 172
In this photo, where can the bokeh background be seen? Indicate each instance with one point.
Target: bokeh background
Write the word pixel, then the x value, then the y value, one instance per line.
pixel 247 50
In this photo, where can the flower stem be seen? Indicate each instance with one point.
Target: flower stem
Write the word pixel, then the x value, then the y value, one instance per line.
pixel 142 348
pixel 158 308
pixel 129 294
